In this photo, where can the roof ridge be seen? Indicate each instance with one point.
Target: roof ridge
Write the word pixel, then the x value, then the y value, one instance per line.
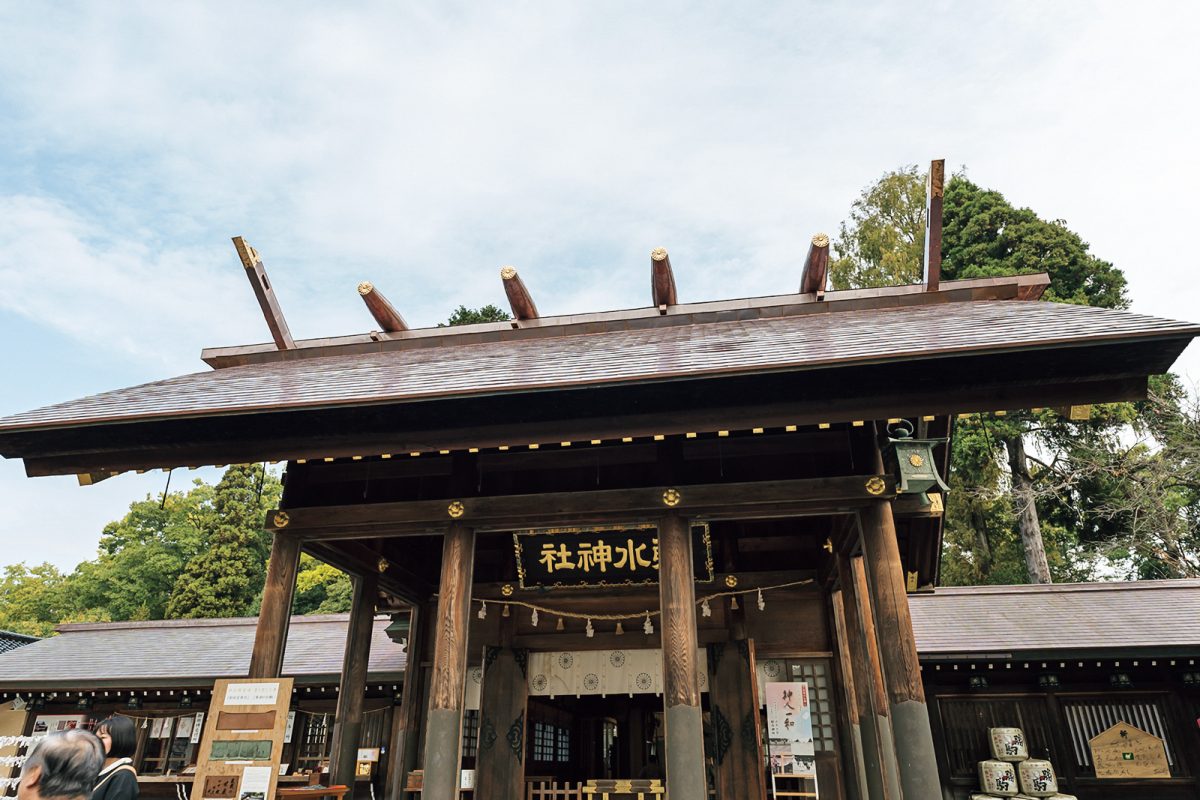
pixel 1002 287
pixel 1081 586
pixel 207 622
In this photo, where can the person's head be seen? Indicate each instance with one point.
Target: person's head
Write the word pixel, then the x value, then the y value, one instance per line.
pixel 63 765
pixel 119 736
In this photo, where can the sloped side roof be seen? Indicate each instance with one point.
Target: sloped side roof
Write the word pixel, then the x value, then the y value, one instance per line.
pixel 186 652
pixel 1145 616
pixel 691 351
pixel 11 641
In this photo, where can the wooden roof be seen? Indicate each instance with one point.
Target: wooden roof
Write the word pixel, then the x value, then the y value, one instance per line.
pixel 963 347
pixel 178 653
pixel 1074 619
pixel 703 350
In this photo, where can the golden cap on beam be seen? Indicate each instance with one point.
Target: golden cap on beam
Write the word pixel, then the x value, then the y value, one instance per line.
pixel 820 240
pixel 659 254
pixel 508 273
pixel 365 288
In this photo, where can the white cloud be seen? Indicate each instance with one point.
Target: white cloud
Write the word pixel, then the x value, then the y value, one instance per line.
pixel 422 146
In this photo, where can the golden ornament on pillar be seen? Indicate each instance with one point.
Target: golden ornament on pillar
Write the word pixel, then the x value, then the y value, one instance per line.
pixel 281 519
pixel 672 497
pixel 731 581
pixel 456 509
pixel 383 565
pixel 875 485
pixel 506 590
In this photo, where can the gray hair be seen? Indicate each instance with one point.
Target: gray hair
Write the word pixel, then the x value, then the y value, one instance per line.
pixel 70 763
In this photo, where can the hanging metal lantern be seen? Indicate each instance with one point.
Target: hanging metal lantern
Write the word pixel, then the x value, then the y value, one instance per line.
pixel 912 460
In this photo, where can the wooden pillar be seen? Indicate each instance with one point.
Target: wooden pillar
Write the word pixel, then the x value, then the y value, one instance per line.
pixel 686 778
pixel 879 752
pixel 852 715
pixel 902 671
pixel 500 766
pixel 443 722
pixel 408 725
pixel 347 721
pixel 737 727
pixel 270 639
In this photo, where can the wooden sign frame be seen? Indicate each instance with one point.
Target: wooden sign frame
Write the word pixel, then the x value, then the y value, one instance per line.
pixel 1126 751
pixel 251 702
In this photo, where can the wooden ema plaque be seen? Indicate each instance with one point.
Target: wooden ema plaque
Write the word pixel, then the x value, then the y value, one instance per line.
pixel 1124 751
pixel 242 743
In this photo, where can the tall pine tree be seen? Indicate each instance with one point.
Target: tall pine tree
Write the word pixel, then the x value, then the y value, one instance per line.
pixel 224 580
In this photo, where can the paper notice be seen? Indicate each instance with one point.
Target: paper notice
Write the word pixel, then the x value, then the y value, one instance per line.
pixel 256 783
pixel 198 727
pixel 251 694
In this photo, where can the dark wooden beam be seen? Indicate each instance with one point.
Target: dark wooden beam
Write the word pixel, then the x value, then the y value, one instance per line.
pixel 385 314
pixel 913 733
pixel 933 227
pixel 710 501
pixel 405 745
pixel 662 280
pixel 879 754
pixel 147 446
pixel 270 638
pixel 347 726
pixel 681 689
pixel 356 559
pixel 519 299
pixel 443 723
pixel 500 762
pixel 812 279
pixel 256 271
pixel 851 709
pixel 733 695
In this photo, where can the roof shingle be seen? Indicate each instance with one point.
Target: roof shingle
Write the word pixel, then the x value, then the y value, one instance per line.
pixel 1145 616
pixel 690 351
pixel 169 652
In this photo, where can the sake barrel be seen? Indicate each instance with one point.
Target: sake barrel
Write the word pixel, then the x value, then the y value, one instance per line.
pixel 1037 778
pixel 1008 744
pixel 997 777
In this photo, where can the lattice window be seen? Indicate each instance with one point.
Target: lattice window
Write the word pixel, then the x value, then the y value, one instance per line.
pixel 563 737
pixel 543 741
pixel 1089 716
pixel 820 702
pixel 470 734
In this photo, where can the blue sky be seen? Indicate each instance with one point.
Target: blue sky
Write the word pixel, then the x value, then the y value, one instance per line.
pixel 421 146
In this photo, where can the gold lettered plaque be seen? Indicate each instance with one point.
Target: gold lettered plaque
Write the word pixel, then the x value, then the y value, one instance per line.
pixel 1124 751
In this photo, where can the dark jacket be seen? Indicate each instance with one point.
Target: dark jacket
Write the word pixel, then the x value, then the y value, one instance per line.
pixel 118 782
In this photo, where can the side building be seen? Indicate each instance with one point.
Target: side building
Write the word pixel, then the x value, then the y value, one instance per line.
pixel 161 674
pixel 1062 662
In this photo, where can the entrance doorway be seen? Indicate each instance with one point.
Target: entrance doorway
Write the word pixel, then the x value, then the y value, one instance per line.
pixel 575 739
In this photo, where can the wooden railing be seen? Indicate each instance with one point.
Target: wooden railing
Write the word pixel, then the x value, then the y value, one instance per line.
pixel 553 790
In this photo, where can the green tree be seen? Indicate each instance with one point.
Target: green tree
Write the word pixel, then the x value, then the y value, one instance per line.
pixel 142 555
pixel 998 485
pixel 225 579
pixel 33 599
pixel 881 243
pixel 320 588
pixel 469 316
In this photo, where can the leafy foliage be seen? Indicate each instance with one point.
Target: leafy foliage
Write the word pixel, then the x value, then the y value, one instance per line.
pixel 195 553
pixel 470 316
pixel 882 241
pixel 226 577
pixel 1102 504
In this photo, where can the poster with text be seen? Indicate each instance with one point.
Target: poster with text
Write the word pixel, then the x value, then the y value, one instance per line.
pixel 789 729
